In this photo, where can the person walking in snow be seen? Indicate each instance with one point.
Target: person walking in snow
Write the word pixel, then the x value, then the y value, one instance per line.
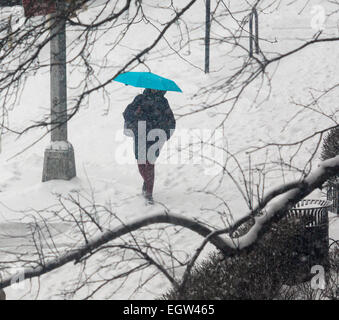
pixel 150 120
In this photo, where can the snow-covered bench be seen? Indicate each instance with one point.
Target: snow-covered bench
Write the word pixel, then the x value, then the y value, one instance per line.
pixel 310 243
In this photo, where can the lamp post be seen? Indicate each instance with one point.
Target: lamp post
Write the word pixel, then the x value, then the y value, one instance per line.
pixel 59 162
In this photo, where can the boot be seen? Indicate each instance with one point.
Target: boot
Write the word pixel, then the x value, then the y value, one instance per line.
pixel 149 199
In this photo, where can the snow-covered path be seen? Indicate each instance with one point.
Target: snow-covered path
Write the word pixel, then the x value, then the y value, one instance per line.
pixel 106 168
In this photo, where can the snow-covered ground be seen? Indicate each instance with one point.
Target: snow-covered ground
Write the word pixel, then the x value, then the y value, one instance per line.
pixel 105 164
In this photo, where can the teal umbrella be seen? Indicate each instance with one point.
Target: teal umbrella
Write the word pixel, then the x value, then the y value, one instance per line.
pixel 147 80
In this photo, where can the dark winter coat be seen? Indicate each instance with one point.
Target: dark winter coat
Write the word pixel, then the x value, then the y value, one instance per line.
pixel 152 108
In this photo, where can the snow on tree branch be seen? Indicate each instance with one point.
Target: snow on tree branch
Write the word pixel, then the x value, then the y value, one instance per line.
pixel 274 211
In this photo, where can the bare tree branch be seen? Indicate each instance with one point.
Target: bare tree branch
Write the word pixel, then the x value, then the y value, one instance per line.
pixel 274 213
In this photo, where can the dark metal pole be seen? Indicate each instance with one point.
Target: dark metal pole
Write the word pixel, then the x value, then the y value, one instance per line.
pixel 254 37
pixel 207 36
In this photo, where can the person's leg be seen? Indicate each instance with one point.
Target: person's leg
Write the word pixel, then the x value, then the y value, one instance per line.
pixel 141 163
pixel 149 178
pixel 142 170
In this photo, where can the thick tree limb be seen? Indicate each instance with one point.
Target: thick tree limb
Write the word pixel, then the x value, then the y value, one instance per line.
pixel 274 212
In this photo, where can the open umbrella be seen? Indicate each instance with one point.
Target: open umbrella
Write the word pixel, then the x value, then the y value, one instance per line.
pixel 147 80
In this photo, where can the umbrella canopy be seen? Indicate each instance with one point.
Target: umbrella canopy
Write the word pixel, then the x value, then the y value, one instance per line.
pixel 147 80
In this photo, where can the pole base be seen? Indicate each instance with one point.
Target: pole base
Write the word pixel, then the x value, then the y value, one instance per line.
pixel 59 162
